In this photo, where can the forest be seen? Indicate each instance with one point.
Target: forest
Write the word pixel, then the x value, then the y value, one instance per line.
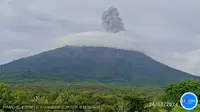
pixel 94 98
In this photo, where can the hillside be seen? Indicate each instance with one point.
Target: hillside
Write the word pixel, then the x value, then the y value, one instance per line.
pixel 99 64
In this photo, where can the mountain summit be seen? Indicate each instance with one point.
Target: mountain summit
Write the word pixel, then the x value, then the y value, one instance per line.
pixel 102 64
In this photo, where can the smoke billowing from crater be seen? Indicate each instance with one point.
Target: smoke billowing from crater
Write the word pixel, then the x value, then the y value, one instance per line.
pixel 111 21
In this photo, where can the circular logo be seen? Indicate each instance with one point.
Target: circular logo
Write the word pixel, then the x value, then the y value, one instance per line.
pixel 189 101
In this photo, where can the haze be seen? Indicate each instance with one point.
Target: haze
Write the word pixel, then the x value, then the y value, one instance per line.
pixel 166 30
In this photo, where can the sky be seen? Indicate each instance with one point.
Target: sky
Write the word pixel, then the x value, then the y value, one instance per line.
pixel 166 30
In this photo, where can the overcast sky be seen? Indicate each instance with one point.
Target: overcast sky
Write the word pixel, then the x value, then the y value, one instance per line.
pixel 167 30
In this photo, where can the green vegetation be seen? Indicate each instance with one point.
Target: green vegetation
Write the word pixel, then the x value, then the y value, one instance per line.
pixel 97 79
pixel 98 98
pixel 96 64
pixel 180 109
pixel 174 91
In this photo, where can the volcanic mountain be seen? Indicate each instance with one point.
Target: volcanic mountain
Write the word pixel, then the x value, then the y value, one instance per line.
pixel 86 63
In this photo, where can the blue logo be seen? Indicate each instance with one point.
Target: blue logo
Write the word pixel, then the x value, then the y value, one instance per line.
pixel 189 101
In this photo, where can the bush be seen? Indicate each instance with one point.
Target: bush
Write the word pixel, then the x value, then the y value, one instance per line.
pixel 5 95
pixel 180 109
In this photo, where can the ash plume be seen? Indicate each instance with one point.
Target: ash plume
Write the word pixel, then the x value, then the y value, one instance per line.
pixel 111 21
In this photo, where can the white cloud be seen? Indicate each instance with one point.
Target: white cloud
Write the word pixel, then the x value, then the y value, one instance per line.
pixel 159 28
pixel 119 40
pixel 96 39
pixel 188 62
pixel 15 53
pixel 5 56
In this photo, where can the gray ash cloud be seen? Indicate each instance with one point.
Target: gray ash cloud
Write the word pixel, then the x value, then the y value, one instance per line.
pixel 111 21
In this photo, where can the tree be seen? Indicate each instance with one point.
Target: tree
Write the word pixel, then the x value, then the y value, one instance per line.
pixel 20 97
pixel 64 97
pixel 5 95
pixel 136 102
pixel 176 90
pixel 180 109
